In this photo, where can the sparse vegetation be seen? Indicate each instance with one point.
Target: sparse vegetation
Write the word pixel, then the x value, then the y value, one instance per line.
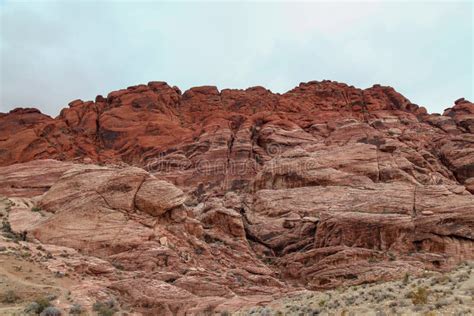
pixel 43 303
pixel 442 279
pixel 441 303
pixel 32 308
pixel 36 209
pixel 413 294
pixel 420 296
pixel 106 308
pixel 9 297
pixel 406 278
pixel 8 232
pixel 51 311
pixel 38 306
pixel 76 309
pixel 118 265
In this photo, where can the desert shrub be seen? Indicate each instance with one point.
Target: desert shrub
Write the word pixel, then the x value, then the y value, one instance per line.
pixel 441 303
pixel 9 297
pixel 459 300
pixel 266 311
pixel 393 304
pixel 420 296
pixel 51 297
pixel 32 308
pixel 463 277
pixel 350 300
pixel 199 251
pixel 106 308
pixel 43 303
pixel 51 311
pixel 118 265
pixel 334 304
pixel 7 230
pixel 36 209
pixel 406 278
pixel 391 257
pixel 38 306
pixel 371 260
pixel 322 303
pixel 267 260
pixel 76 309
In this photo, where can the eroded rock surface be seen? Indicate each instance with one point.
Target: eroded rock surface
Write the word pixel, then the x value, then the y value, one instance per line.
pixel 211 200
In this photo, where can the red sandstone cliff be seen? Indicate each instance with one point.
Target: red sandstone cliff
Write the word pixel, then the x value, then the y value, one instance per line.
pixel 140 124
pixel 324 185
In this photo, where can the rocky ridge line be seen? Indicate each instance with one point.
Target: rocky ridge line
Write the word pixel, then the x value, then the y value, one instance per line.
pixel 246 195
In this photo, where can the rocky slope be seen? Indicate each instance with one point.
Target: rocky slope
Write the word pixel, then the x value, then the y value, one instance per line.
pixel 216 200
pixel 430 294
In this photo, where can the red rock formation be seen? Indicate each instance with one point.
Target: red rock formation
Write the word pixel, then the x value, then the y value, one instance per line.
pixel 324 185
pixel 202 129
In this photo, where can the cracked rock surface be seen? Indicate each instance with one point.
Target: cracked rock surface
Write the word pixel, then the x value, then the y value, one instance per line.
pixel 212 201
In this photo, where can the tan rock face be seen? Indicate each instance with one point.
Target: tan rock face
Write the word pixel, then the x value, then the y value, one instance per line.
pixel 30 179
pixel 155 197
pixel 246 193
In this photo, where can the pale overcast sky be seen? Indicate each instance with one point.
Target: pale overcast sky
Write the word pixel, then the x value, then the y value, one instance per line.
pixel 54 52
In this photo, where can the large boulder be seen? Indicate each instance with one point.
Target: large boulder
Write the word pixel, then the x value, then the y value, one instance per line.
pixel 155 197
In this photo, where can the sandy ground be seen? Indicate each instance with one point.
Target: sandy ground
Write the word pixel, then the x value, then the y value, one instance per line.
pixel 31 271
pixel 22 282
